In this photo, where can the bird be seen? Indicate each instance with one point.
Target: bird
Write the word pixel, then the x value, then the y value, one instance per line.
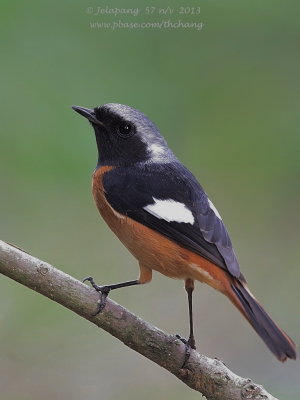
pixel 161 213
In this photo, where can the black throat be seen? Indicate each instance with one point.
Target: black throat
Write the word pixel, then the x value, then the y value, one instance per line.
pixel 117 151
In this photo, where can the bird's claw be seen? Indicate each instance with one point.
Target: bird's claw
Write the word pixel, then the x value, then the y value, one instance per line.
pixel 92 282
pixel 104 292
pixel 183 340
pixel 189 344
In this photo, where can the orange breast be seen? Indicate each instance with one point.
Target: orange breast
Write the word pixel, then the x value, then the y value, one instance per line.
pixel 153 250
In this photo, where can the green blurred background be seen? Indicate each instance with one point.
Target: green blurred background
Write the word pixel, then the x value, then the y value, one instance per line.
pixel 227 100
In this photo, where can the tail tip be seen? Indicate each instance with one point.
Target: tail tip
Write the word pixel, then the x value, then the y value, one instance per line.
pixel 290 354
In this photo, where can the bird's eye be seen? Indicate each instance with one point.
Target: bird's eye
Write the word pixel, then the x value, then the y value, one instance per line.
pixel 125 130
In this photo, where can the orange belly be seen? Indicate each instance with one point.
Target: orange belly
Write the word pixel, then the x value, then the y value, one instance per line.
pixel 153 250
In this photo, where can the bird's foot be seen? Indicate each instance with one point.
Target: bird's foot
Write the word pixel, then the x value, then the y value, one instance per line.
pixel 189 344
pixel 104 292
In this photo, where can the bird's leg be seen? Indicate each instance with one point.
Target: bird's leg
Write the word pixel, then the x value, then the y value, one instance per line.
pixel 104 290
pixel 189 287
pixel 190 343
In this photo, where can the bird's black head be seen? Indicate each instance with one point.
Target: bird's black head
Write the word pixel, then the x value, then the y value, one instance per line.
pixel 125 136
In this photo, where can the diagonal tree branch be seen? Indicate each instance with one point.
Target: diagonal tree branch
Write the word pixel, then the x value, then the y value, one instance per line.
pixel 207 376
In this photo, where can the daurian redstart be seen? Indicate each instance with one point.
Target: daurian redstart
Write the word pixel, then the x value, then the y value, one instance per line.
pixel 163 216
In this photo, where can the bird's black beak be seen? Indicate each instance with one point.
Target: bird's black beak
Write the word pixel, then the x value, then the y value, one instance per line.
pixel 88 114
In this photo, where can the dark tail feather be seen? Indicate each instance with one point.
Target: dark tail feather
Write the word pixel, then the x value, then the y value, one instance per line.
pixel 280 344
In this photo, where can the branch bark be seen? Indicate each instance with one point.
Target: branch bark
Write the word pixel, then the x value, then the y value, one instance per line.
pixel 205 375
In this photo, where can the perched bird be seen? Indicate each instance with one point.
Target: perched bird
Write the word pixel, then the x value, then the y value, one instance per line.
pixel 160 212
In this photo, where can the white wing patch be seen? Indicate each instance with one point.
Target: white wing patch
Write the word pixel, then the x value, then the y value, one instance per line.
pixel 170 210
pixel 211 205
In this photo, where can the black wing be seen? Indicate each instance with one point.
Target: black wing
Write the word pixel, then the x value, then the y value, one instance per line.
pixel 130 190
